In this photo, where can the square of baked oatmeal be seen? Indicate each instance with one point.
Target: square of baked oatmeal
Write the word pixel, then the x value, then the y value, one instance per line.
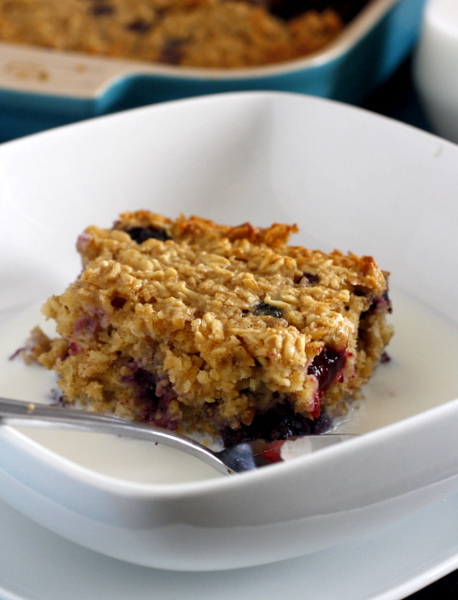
pixel 225 330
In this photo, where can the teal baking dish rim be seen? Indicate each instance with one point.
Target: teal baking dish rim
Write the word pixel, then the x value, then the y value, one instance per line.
pixel 349 77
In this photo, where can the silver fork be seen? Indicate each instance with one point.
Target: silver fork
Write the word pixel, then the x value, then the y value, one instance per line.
pixel 245 456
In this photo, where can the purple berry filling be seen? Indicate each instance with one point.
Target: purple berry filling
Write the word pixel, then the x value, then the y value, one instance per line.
pixel 281 422
pixel 326 367
pixel 87 324
pixel 172 52
pixel 381 303
pixel 278 423
pixel 154 396
pixel 73 349
pixel 311 278
pixel 118 302
pixel 101 9
pixel 385 358
pixel 139 26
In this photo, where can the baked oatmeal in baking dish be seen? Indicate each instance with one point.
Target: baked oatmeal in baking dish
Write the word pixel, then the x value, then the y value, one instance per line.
pixel 193 33
pixel 230 331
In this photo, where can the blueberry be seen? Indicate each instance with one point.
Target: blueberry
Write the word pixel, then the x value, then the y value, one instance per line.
pixel 380 303
pixel 263 309
pixel 139 26
pixel 359 290
pixel 326 367
pixel 154 395
pixel 311 278
pixel 118 302
pixel 385 358
pixel 278 423
pixel 102 9
pixel 172 52
pixel 141 234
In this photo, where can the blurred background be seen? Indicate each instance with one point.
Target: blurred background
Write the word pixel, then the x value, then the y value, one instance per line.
pixel 61 62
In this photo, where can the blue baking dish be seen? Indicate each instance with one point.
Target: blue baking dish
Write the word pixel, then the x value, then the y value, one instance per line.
pixel 40 88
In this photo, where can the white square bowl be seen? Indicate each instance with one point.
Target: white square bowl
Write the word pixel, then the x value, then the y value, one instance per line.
pixel 349 179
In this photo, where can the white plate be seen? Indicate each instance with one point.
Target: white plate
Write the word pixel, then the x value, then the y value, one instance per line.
pixel 35 564
pixel 351 180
